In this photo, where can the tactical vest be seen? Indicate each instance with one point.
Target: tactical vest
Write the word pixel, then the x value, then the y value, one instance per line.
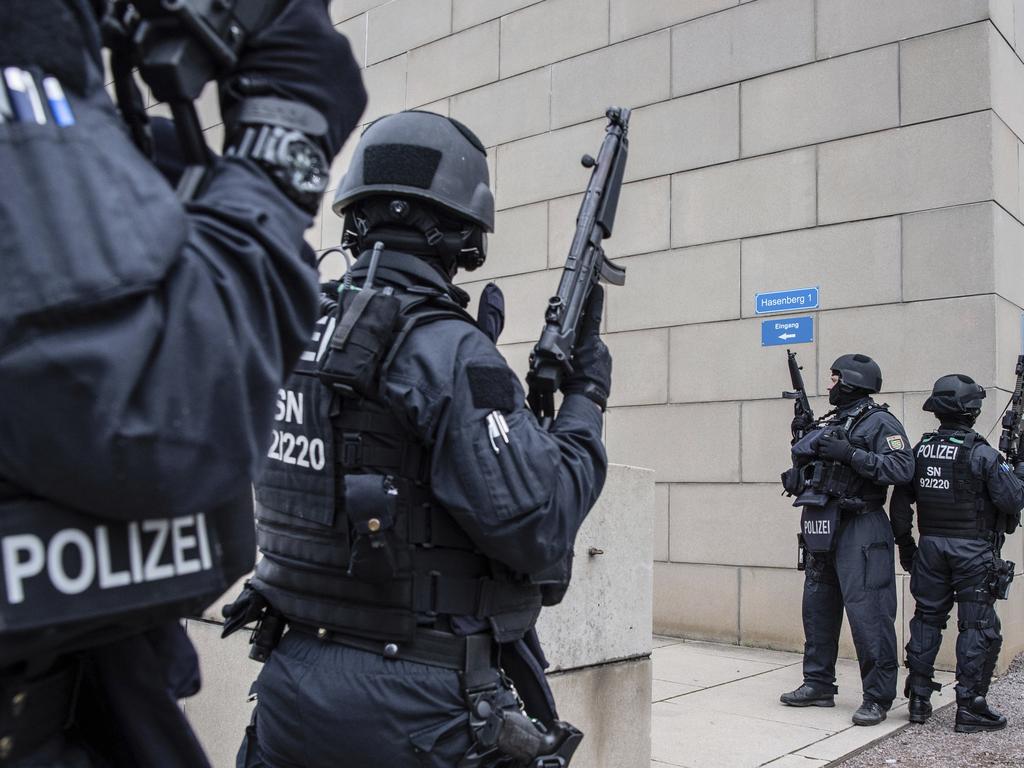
pixel 834 479
pixel 951 501
pixel 73 580
pixel 352 539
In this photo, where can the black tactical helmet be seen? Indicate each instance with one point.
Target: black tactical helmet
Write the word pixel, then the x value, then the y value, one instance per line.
pixel 955 394
pixel 425 156
pixel 858 371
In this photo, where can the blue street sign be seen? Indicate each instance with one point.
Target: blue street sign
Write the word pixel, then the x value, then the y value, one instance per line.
pixel 795 300
pixel 787 330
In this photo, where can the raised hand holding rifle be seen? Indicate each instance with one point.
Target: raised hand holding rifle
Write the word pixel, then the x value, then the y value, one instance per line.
pixel 1010 439
pixel 803 416
pixel 570 355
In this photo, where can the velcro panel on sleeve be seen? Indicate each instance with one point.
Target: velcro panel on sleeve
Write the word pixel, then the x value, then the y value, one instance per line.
pixel 491 387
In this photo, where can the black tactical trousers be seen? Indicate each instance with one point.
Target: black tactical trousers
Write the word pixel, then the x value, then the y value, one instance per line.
pixel 945 570
pixel 324 705
pixel 860 574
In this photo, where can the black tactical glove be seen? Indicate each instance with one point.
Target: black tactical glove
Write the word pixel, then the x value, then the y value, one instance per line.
pixel 793 481
pixel 834 445
pixel 591 362
pixel 1018 470
pixel 299 56
pixel 490 313
pixel 800 424
pixel 907 554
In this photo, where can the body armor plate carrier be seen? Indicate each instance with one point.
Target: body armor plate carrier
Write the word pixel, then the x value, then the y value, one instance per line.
pixel 351 536
pixel 951 501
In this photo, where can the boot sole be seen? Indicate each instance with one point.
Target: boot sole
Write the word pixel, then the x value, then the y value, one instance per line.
pixel 812 703
pixel 919 719
pixel 868 723
pixel 961 728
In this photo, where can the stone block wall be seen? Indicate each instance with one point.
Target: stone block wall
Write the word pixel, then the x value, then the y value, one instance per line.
pixel 868 147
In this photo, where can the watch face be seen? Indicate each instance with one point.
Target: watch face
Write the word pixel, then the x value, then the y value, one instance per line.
pixel 304 163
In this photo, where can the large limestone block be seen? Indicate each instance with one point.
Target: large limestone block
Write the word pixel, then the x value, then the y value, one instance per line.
pixel 851 264
pixel 850 25
pixel 606 614
pixel 551 31
pixel 741 43
pixel 509 109
pixel 745 524
pixel 611 704
pixel 826 100
pixel 750 197
pixel 682 443
pixel 346 9
pixel 952 251
pixel 385 87
pixel 947 162
pixel 453 64
pixel 770 606
pixel 641 223
pixel 661 522
pixel 687 132
pixel 401 25
pixel 467 13
pixel 911 342
pixel 519 244
pixel 765 432
pixel 715 361
pixel 947 73
pixel 546 166
pixel 630 74
pixel 641 367
pixel 697 601
pixel 660 288
pixel 355 30
pixel 526 298
pixel 630 18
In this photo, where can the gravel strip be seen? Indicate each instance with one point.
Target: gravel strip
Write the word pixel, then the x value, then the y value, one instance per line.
pixel 935 744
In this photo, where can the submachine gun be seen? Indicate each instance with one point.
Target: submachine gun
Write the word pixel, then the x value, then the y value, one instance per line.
pixel 802 406
pixel 1010 439
pixel 585 265
pixel 178 46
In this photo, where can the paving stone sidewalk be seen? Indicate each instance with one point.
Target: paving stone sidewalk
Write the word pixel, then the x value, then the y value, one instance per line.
pixel 717 706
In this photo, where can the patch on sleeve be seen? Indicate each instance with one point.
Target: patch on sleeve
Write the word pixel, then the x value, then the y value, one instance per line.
pixel 895 442
pixel 491 387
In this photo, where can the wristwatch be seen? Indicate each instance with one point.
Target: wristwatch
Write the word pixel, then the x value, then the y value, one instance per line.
pixel 294 161
pixel 283 137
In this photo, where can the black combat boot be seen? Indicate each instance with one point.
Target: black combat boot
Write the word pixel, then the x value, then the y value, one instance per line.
pixel 806 696
pixel 870 713
pixel 920 708
pixel 974 715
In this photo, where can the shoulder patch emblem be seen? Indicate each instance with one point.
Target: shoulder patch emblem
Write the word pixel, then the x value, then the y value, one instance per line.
pixel 895 442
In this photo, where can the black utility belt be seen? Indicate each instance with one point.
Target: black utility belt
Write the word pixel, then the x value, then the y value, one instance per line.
pixel 471 653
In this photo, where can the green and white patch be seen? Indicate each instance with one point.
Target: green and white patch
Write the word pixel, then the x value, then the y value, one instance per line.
pixel 895 442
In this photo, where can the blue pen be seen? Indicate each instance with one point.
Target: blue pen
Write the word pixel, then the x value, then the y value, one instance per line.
pixel 25 101
pixel 59 106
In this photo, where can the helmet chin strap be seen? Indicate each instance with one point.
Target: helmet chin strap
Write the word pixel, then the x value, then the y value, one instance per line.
pixel 413 229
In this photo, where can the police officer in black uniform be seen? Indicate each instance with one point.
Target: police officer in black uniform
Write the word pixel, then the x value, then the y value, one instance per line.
pixel 967 499
pixel 410 553
pixel 142 342
pixel 841 469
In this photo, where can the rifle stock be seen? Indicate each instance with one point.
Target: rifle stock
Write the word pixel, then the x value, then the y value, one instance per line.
pixel 1010 439
pixel 584 266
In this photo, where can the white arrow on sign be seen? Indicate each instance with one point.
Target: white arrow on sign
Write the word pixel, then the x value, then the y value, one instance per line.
pixel 785 336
